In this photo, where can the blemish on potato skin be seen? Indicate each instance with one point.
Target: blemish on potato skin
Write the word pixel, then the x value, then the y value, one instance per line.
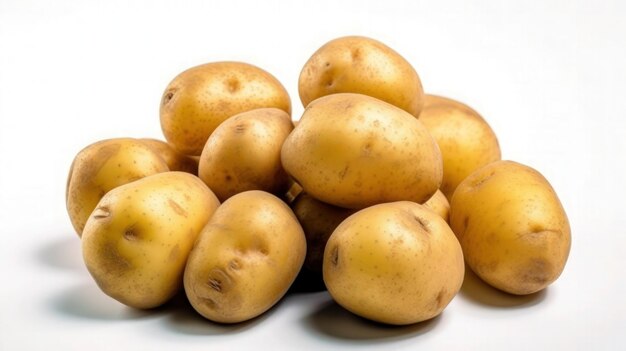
pixel 334 256
pixel 101 212
pixel 174 253
pixel 177 208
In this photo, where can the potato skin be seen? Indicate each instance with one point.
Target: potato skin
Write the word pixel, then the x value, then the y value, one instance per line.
pixel 137 240
pixel 396 263
pixel 361 65
pixel 513 229
pixel 318 220
pixel 354 151
pixel 202 97
pixel 245 259
pixel 243 153
pixel 103 166
pixel 174 159
pixel 440 205
pixel 465 139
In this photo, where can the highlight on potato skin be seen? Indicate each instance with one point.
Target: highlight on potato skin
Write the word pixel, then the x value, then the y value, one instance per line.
pixel 362 65
pixel 197 100
pixel 513 229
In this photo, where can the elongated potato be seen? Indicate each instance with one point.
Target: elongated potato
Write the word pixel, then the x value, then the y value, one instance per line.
pixel 243 153
pixel 364 66
pixel 354 151
pixel 512 227
pixel 103 166
pixel 245 259
pixel 137 240
pixel 202 97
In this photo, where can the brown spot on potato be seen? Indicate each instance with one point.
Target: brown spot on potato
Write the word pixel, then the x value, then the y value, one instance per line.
pixel 174 253
pixel 101 212
pixel 424 224
pixel 112 262
pixel 334 256
pixel 439 299
pixel 130 233
pixel 355 54
pixel 167 96
pixel 536 274
pixel 219 280
pixel 240 128
pixel 233 85
pixel 481 181
pixel 177 208
pixel 208 302
pixel 234 264
pixel 343 172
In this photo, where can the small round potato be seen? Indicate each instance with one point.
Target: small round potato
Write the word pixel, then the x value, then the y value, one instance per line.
pixel 174 159
pixel 354 151
pixel 395 263
pixel 103 166
pixel 465 139
pixel 202 97
pixel 137 240
pixel 512 227
pixel 243 153
pixel 318 220
pixel 365 66
pixel 245 259
pixel 440 205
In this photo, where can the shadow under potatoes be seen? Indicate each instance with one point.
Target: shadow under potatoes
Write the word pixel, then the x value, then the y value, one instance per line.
pixel 477 291
pixel 64 253
pixel 333 321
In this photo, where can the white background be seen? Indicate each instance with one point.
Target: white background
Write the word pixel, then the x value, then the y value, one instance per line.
pixel 550 78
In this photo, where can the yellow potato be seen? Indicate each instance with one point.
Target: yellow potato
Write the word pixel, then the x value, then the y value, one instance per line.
pixel 365 66
pixel 465 139
pixel 512 227
pixel 174 159
pixel 354 151
pixel 243 153
pixel 103 166
pixel 245 259
pixel 440 205
pixel 318 220
pixel 395 263
pixel 202 97
pixel 137 240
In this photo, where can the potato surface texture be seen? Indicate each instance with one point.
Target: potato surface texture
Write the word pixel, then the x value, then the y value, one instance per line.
pixel 512 227
pixel 137 240
pixel 202 97
pixel 103 166
pixel 396 263
pixel 245 259
pixel 354 151
pixel 365 66
pixel 243 153
pixel 465 139
pixel 174 159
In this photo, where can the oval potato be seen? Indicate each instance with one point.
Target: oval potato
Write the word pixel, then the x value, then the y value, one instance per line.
pixel 202 97
pixel 512 227
pixel 137 240
pixel 245 259
pixel 361 65
pixel 354 151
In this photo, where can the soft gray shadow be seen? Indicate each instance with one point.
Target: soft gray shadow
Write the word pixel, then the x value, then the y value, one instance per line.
pixel 86 301
pixel 182 318
pixel 333 321
pixel 64 253
pixel 479 292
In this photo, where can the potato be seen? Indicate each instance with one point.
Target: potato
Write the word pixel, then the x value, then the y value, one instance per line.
pixel 318 220
pixel 245 259
pixel 514 232
pixel 174 159
pixel 202 97
pixel 395 263
pixel 465 139
pixel 103 166
pixel 354 151
pixel 137 240
pixel 243 153
pixel 365 66
pixel 440 205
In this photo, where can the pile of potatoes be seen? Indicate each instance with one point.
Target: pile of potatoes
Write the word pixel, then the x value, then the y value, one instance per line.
pixel 379 192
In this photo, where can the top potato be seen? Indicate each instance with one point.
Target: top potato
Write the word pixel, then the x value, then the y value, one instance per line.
pixel 365 66
pixel 202 97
